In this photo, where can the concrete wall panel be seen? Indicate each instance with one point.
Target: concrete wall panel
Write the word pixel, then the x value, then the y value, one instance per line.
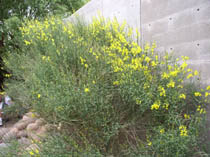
pixel 128 10
pixel 157 9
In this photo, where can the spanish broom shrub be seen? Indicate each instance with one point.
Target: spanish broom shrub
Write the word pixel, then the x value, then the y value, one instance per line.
pixel 125 99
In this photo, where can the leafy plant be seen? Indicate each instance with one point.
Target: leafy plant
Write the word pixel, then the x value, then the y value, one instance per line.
pixel 123 98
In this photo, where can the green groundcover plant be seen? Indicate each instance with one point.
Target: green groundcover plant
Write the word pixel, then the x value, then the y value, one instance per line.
pixel 124 99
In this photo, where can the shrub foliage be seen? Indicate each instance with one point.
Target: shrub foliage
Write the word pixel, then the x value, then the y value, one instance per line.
pixel 122 98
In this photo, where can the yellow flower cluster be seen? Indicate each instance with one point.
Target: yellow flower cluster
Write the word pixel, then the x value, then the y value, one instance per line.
pixel 197 94
pixel 183 130
pixel 162 91
pixel 166 105
pixel 201 110
pixel 8 75
pixel 34 153
pixel 186 116
pixel 46 58
pixel 84 62
pixel 155 106
pixel 171 84
pixel 162 131
pixel 38 96
pixel 87 90
pixel 182 96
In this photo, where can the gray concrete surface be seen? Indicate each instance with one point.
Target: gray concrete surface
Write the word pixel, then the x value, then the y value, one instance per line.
pixel 178 26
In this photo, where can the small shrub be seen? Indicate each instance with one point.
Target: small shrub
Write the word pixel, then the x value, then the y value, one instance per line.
pixel 124 98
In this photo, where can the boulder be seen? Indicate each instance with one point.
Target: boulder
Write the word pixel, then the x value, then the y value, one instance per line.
pixel 32 127
pixel 40 121
pixel 22 133
pixel 42 131
pixel 12 134
pixel 28 119
pixel 34 137
pixel 21 125
pixel 3 131
pixel 24 141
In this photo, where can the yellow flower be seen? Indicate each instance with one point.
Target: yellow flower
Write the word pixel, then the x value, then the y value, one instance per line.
pixel 182 96
pixel 37 151
pixel 162 91
pixel 195 72
pixel 43 57
pixel 197 94
pixel 27 42
pixel 206 94
pixel 116 83
pixel 138 101
pixel 87 90
pixel 82 60
pixel 185 58
pixel 171 84
pixel 8 75
pixel 31 153
pixel 183 130
pixel 174 73
pixel 150 143
pixel 186 116
pixel 199 108
pixel 147 59
pixel 184 65
pixel 86 66
pixel 162 131
pixel 208 88
pixel 38 96
pixel 180 86
pixel 189 76
pixel 189 70
pixel 202 111
pixel 33 115
pixel 155 106
pixel 154 64
pixel 166 106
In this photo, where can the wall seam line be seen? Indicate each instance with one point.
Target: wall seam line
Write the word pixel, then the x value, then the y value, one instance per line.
pixel 140 24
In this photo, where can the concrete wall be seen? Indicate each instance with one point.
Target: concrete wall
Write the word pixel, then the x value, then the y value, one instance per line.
pixel 179 26
pixel 182 27
pixel 128 10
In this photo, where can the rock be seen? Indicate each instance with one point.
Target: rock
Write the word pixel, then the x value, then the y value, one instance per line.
pixel 24 141
pixel 12 134
pixel 25 117
pixel 34 136
pixel 38 134
pixel 32 127
pixel 42 131
pixel 3 131
pixel 28 119
pixel 21 125
pixel 22 133
pixel 39 122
